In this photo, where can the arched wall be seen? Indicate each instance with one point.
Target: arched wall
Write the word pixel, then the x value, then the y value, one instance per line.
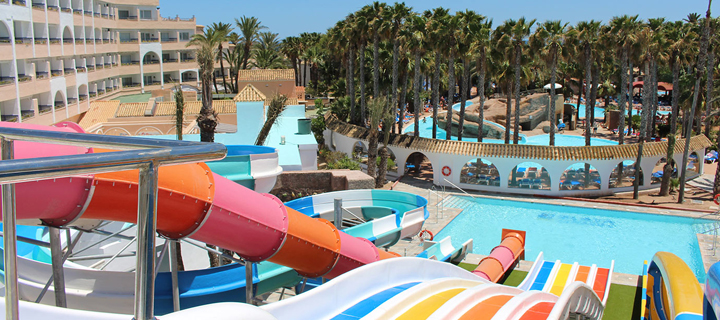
pixel 505 165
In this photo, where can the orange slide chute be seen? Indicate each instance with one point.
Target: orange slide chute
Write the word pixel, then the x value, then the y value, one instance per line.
pixel 502 257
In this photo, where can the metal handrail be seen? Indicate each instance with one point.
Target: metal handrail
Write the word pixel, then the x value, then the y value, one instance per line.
pixel 461 189
pixel 356 217
pixel 147 155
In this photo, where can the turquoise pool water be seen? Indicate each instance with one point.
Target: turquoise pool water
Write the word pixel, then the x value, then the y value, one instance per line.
pixel 573 234
pixel 539 140
pixel 600 112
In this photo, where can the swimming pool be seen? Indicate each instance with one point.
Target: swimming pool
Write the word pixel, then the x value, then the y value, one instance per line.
pixel 539 140
pixel 575 234
pixel 600 112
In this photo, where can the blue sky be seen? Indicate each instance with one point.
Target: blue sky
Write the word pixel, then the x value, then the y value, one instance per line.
pixel 292 17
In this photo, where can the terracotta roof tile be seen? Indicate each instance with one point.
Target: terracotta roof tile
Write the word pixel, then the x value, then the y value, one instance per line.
pixel 266 75
pixel 135 109
pixel 99 112
pixel 249 93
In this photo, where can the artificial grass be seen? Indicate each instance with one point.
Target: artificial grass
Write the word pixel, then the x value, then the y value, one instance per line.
pixel 513 279
pixel 623 302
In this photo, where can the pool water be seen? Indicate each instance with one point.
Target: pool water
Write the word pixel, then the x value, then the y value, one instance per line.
pixel 600 112
pixel 539 140
pixel 574 234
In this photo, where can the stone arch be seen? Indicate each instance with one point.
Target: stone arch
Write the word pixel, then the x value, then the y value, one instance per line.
pixel 418 165
pixel 4 32
pixel 68 34
pixel 151 57
pixel 189 75
pixel 657 171
pixel 481 172
pixel 148 131
pixel 360 151
pixel 575 177
pixel 530 175
pixel 83 92
pixel 59 99
pixel 623 175
pixel 117 131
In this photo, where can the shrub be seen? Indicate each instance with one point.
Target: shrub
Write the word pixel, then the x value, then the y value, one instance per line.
pixel 317 125
pixel 344 163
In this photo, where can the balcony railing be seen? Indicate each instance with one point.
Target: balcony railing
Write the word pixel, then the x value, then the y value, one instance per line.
pixel 131 63
pixel 100 66
pixel 108 64
pixel 53 8
pixel 4 39
pixel 69 70
pixel 68 41
pixel 20 40
pixel 66 9
pixel 104 15
pixel 24 78
pixel 83 97
pixel 44 108
pixel 169 40
pixel 9 118
pixel 56 73
pixel 79 40
pixel 88 13
pixel 128 40
pixel 38 5
pixel 189 79
pixel 131 85
pixel 133 18
pixel 19 2
pixel 187 59
pixel 91 68
pixel 55 40
pixel 152 83
pixel 169 60
pixel 96 14
pixel 41 74
pixel 59 105
pixel 93 94
pixel 72 100
pixel 41 40
pixel 151 62
pixel 77 11
pixel 7 80
pixel 27 114
pixel 98 40
pixel 150 40
pixel 106 41
pixel 81 69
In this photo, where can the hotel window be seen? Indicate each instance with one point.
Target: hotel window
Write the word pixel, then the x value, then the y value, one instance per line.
pixel 184 36
pixel 145 14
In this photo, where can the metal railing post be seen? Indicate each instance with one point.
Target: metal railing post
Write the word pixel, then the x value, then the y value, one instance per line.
pixel 9 239
pixel 146 227
pixel 57 267
pixel 174 275
pixel 249 283
pixel 338 213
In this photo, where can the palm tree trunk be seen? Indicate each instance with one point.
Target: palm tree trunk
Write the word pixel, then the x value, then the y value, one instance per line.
pixel 588 93
pixel 508 102
pixel 451 95
pixel 699 73
pixel 215 82
pixel 647 100
pixel 629 86
pixel 675 94
pixel 553 78
pixel 293 61
pixel 623 95
pixel 481 93
pixel 372 152
pixel 668 168
pixel 394 99
pixel 403 98
pixel 516 127
pixel 436 92
pixel 708 91
pixel 463 95
pixel 417 105
pixel 376 65
pixel 577 106
pixel 222 67
pixel 246 54
pixel 653 114
pixel 303 67
pixel 363 105
pixel 382 167
pixel 593 96
pixel 351 84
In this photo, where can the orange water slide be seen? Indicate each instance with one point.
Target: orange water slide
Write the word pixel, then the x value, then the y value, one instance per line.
pixel 502 257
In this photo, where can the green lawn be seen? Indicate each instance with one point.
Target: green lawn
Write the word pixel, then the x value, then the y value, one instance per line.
pixel 141 97
pixel 623 302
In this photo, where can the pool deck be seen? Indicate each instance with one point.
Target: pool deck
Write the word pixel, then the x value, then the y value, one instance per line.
pixel 438 221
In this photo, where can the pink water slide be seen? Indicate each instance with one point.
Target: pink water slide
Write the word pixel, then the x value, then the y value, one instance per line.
pixel 193 202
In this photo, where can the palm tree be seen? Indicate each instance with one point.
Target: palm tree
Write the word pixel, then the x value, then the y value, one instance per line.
pixel 249 29
pixel 396 16
pixel 276 107
pixel 587 35
pixel 377 107
pixel 234 59
pixel 470 24
pixel 712 42
pixel 503 68
pixel 208 37
pixel 482 45
pixel 550 37
pixel 437 19
pixel 625 29
pixel 179 115
pixel 378 25
pixel 416 43
pixel 387 120
pixel 206 53
pixel 700 69
pixel 222 31
pixel 290 48
pixel 362 27
pixel 452 24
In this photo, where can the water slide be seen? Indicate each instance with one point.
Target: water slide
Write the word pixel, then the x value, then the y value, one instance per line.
pixel 674 292
pixel 502 257
pixel 711 303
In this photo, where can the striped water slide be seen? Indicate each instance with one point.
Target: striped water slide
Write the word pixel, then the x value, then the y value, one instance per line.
pixel 673 290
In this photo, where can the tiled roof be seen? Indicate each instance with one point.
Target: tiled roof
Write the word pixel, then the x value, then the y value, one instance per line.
pixel 99 112
pixel 135 109
pixel 193 107
pixel 517 151
pixel 266 75
pixel 249 93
